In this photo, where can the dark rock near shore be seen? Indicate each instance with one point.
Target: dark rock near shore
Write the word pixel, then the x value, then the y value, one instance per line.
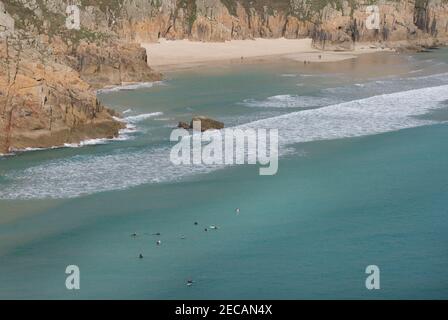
pixel 206 124
pixel 183 125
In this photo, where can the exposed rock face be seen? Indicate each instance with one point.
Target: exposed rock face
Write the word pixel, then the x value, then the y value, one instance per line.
pixel 205 122
pixel 333 24
pixel 113 64
pixel 48 73
pixel 402 24
pixel 183 125
pixel 44 103
pixel 6 22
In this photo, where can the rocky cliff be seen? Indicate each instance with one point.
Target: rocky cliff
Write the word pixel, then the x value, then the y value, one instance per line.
pixel 333 24
pixel 328 22
pixel 48 77
pixel 44 103
pixel 49 71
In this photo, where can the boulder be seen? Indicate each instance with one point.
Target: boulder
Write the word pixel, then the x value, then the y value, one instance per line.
pixel 183 125
pixel 207 123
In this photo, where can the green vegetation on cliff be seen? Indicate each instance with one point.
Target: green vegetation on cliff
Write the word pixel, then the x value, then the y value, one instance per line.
pixel 191 9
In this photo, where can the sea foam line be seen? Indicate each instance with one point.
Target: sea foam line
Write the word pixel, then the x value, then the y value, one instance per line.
pixel 87 174
pixel 123 135
pixel 142 117
pixel 132 86
pixel 289 101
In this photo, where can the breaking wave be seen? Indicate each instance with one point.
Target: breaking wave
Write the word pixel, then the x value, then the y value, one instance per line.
pixel 142 117
pixel 289 101
pixel 87 174
pixel 128 87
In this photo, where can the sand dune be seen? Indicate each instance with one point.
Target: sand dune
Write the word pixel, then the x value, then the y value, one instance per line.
pixel 184 53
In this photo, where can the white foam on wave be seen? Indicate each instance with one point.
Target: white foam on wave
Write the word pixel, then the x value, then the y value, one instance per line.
pixel 123 135
pixel 142 117
pixel 377 114
pixel 87 174
pixel 31 149
pixel 89 142
pixel 432 77
pixel 319 75
pixel 81 175
pixel 289 101
pixel 6 155
pixel 385 85
pixel 416 71
pixel 133 86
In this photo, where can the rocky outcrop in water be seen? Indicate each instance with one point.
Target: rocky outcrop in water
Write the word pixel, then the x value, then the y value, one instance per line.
pixel 205 122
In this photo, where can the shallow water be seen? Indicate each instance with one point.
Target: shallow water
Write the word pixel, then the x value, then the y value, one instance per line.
pixel 362 181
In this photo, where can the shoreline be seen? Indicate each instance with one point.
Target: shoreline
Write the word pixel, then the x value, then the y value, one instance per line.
pixel 122 136
pixel 167 55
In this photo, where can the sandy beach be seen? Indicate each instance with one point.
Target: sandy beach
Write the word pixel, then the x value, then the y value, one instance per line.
pixel 184 53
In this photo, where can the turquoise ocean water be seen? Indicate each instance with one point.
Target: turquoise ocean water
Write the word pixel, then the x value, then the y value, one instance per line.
pixel 362 180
